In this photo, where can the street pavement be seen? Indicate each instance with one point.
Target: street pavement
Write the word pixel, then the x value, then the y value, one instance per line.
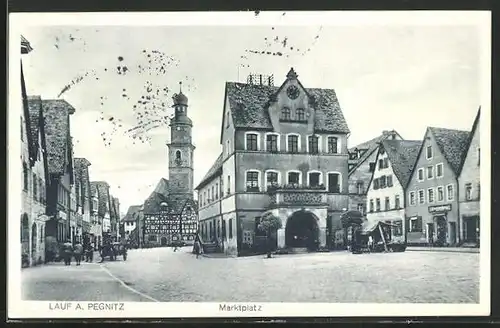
pixel 167 276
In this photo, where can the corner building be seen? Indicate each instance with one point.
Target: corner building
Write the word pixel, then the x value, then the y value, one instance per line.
pixel 284 152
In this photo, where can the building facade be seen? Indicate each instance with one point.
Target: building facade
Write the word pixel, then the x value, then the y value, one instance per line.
pixel 96 220
pixel 83 195
pixel 130 219
pixel 470 188
pixel 103 205
pixel 284 152
pixel 170 213
pixel 34 173
pixel 386 191
pixel 432 207
pixel 59 149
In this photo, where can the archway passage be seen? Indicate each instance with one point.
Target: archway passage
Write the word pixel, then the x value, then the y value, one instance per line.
pixel 302 231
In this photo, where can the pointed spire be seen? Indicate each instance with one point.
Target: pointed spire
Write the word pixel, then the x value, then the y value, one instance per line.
pixel 180 87
pixel 291 75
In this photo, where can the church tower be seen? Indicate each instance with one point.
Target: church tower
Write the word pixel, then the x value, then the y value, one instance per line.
pixel 180 150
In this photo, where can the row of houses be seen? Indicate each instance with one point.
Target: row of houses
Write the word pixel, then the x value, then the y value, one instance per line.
pixel 430 187
pixel 284 152
pixel 59 203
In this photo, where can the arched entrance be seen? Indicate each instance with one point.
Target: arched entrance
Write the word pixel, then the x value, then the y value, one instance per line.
pixel 163 241
pixel 302 230
pixel 34 240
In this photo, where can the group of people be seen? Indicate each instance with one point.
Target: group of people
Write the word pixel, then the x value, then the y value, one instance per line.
pixel 78 251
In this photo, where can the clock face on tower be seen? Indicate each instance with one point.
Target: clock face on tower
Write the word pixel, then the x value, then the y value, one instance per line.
pixel 292 92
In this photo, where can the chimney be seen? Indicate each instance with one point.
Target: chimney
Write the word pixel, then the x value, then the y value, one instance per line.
pixel 385 132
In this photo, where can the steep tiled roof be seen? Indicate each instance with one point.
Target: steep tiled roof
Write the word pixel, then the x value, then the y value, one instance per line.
pixel 475 125
pixel 132 213
pixel 159 195
pixel 56 124
pixel 103 197
pixel 402 154
pixel 452 144
pixel 162 187
pixel 249 107
pixel 370 146
pixel 213 171
pixel 25 46
pixel 35 111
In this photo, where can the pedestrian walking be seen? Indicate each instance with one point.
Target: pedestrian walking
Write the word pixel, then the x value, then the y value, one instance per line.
pixel 89 253
pixel 197 248
pixel 78 253
pixel 370 243
pixel 67 252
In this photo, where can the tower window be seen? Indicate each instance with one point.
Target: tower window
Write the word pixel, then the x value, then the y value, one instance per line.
pixel 178 155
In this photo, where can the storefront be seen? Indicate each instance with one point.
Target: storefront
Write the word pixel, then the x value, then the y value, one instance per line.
pixel 442 231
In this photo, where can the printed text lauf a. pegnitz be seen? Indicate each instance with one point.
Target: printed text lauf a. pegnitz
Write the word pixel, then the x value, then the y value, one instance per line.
pixel 91 306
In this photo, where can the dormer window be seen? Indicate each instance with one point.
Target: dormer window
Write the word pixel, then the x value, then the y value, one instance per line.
pixel 285 113
pixel 300 114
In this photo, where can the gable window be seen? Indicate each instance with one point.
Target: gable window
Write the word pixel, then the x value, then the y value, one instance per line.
pixel 468 191
pixel 272 178
pixel 314 179
pixel 334 181
pixel 371 205
pixel 439 170
pixel 430 172
pixel 383 181
pixel 293 143
pixel 178 155
pixel 272 142
pixel 376 184
pixel 301 115
pixel 228 184
pixel 332 145
pixel 397 204
pixel 313 144
pixel 377 204
pixel 360 188
pixel 389 181
pixel 428 152
pixel 380 164
pixel 440 194
pixel 252 182
pixel 386 162
pixel 372 167
pixel 285 113
pixel 430 195
pixel 252 141
pixel 25 176
pixel 387 203
pixel 420 174
pixel 412 198
pixel 421 197
pixel 450 192
pixel 294 178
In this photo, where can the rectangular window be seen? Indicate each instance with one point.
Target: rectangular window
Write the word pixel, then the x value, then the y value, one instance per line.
pixel 383 181
pixel 293 178
pixel 412 198
pixel 380 164
pixel 387 203
pixel 389 181
pixel 35 189
pixel 371 205
pixel 430 172
pixel 439 170
pixel 398 229
pixel 421 197
pixel 376 184
pixel 272 143
pixel 313 144
pixel 252 181
pixel 333 182
pixel 228 184
pixel 301 115
pixel 293 144
pixel 372 167
pixel 230 228
pixel 272 178
pixel 415 224
pixel 450 192
pixel 420 174
pixel 285 113
pixel 252 141
pixel 397 204
pixel 440 194
pixel 468 191
pixel 386 162
pixel 216 191
pixel 332 145
pixel 377 204
pixel 430 195
pixel 360 188
pixel 429 152
pixel 314 179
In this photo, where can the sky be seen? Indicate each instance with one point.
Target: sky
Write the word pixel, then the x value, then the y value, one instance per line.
pixel 386 77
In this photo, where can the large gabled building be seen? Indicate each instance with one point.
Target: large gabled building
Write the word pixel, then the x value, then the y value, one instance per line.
pixel 284 151
pixel 432 207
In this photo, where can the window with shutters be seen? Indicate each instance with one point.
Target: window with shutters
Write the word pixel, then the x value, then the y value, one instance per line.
pixel 397 203
pixel 377 204
pixel 412 198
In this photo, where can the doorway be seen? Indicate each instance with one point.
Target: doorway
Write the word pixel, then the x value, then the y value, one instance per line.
pixel 441 227
pixel 430 233
pixel 471 229
pixel 163 241
pixel 453 233
pixel 302 231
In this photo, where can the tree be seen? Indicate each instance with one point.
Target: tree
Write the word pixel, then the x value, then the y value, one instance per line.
pixel 269 223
